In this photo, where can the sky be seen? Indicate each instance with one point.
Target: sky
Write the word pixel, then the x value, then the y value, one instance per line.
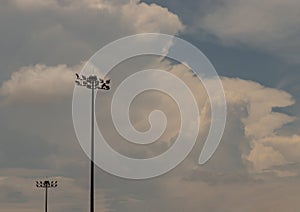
pixel 254 47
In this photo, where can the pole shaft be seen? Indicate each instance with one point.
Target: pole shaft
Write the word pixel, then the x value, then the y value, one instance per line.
pixel 46 198
pixel 92 151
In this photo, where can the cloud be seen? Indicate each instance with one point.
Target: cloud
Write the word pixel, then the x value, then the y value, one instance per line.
pixel 67 32
pixel 259 102
pixel 261 124
pixel 267 25
pixel 20 193
pixel 39 83
pixel 275 152
pixel 20 150
pixel 136 15
pixel 249 150
pixel 151 18
pixel 264 157
pixel 242 173
pixel 289 146
pixel 194 196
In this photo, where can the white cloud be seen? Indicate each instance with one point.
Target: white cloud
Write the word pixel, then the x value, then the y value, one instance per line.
pixel 257 123
pixel 260 124
pixel 66 32
pixel 259 102
pixel 264 157
pixel 289 146
pixel 150 18
pixel 275 151
pixel 39 83
pixel 136 15
pixel 268 148
pixel 271 25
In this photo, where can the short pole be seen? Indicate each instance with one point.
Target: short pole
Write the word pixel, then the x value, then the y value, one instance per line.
pixel 46 184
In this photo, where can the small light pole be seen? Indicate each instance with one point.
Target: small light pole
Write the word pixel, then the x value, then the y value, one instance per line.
pixel 46 184
pixel 92 82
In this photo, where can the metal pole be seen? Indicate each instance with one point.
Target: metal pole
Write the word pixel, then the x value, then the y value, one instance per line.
pixel 92 82
pixel 92 152
pixel 46 198
pixel 45 185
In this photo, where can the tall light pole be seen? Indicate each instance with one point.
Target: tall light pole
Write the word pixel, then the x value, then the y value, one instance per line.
pixel 92 82
pixel 46 184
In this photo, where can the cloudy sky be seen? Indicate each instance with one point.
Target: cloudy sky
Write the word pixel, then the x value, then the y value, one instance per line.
pixel 255 48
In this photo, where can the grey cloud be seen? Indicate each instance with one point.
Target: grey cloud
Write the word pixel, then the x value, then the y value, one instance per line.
pixel 64 35
pixel 270 25
pixel 20 150
pixel 11 195
pixel 222 178
pixel 51 33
